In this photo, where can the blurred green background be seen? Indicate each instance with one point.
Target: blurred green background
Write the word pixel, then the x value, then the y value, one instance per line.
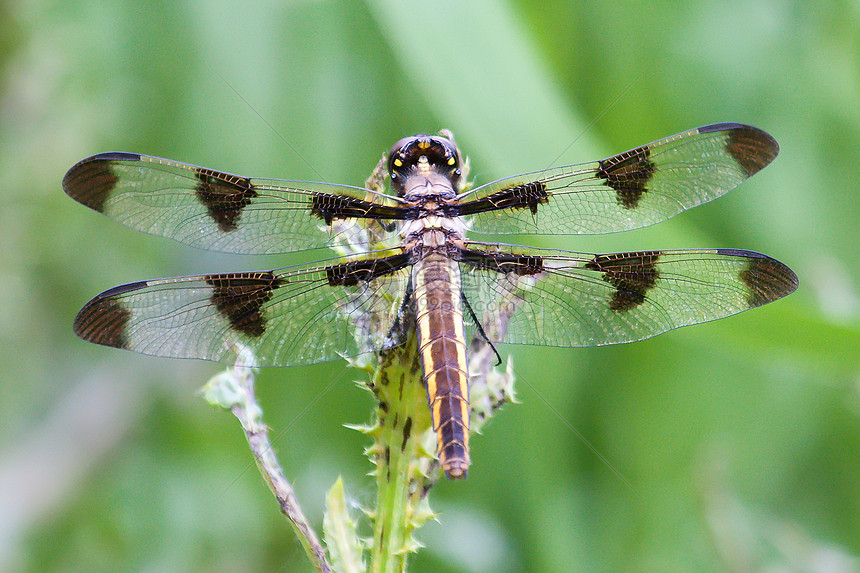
pixel 738 441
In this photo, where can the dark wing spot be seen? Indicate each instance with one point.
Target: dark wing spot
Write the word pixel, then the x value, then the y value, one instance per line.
pixel 224 195
pixel 239 297
pixel 328 207
pixel 529 195
pixel 104 320
pixel 766 278
pixel 752 148
pixel 632 275
pixel 628 174
pixel 522 265
pixel 92 180
pixel 351 273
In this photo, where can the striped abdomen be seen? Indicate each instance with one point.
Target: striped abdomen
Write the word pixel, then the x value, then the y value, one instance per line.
pixel 442 346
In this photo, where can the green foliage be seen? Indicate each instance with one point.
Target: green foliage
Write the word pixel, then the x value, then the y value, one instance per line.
pixel 341 534
pixel 737 438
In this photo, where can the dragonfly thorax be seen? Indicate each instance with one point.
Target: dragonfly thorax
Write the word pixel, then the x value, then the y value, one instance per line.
pixel 434 231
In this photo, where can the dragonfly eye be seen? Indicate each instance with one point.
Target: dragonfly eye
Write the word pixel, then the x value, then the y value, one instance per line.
pixel 439 152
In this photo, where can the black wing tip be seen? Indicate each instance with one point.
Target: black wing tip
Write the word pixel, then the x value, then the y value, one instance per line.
pixel 741 253
pixel 90 181
pixel 767 278
pixel 121 289
pixel 725 126
pixel 116 156
pixel 753 148
pixel 104 156
pixel 104 320
pixel 734 126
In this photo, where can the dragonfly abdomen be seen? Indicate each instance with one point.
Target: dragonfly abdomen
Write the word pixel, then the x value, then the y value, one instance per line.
pixel 442 346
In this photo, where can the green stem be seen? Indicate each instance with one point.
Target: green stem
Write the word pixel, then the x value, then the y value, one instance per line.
pixel 404 459
pixel 234 390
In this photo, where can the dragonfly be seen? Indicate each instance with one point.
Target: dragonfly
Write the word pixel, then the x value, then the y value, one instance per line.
pixel 412 265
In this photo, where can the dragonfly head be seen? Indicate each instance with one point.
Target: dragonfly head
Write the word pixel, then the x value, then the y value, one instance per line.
pixel 410 155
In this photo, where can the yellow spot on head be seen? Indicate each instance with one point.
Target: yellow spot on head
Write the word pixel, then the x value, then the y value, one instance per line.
pixel 452 161
pixel 423 144
pixel 398 163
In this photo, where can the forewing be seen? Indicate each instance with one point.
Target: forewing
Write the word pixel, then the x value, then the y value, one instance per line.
pixel 633 189
pixel 298 315
pixel 218 211
pixel 559 298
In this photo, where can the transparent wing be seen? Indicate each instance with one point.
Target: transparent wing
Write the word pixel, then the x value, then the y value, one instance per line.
pixel 218 211
pixel 559 298
pixel 298 315
pixel 633 189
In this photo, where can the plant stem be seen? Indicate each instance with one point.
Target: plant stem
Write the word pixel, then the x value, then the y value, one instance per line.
pixel 234 389
pixel 403 457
